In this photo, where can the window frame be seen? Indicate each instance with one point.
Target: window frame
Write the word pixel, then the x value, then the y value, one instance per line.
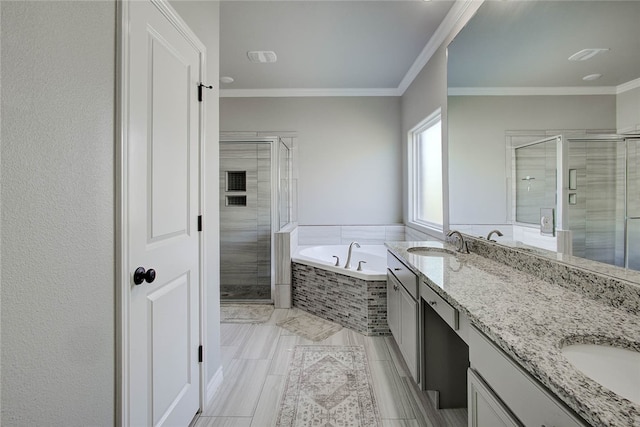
pixel 430 228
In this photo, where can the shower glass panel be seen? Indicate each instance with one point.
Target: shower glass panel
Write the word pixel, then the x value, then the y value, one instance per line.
pixel 245 221
pixel 284 185
pixel 535 180
pixel 597 219
pixel 633 204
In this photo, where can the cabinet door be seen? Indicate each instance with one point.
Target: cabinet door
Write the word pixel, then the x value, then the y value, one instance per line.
pixel 485 410
pixel 409 330
pixel 393 311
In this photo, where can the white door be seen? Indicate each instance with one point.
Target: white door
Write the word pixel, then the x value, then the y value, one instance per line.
pixel 162 209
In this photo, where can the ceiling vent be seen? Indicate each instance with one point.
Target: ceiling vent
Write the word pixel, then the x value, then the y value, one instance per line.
pixel 262 56
pixel 585 54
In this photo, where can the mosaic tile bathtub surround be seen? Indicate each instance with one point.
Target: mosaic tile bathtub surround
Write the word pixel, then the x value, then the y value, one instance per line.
pixel 353 303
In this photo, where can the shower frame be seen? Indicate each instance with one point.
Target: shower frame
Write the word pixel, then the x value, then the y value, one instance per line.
pixel 274 144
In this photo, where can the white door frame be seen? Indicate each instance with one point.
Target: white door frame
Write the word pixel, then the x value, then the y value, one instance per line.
pixel 123 269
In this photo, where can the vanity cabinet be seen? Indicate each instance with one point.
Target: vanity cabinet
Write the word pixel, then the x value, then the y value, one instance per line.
pixel 402 311
pixel 499 389
pixel 485 409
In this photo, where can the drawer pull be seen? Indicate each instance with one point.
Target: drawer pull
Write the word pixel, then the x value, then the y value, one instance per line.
pixel 397 269
pixel 433 303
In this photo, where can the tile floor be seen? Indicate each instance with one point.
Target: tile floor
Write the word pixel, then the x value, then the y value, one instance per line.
pixel 255 358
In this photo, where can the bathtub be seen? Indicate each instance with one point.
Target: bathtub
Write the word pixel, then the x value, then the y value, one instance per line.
pixel 375 256
pixel 355 299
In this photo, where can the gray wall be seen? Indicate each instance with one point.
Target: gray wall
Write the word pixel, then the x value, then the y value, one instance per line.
pixel 203 17
pixel 477 126
pixel 628 111
pixel 57 229
pixel 57 226
pixel 349 154
pixel 428 92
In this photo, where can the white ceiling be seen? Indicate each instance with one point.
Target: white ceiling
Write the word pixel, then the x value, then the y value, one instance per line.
pixel 325 45
pixel 527 43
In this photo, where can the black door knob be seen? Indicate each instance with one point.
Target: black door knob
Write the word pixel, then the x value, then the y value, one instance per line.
pixel 141 275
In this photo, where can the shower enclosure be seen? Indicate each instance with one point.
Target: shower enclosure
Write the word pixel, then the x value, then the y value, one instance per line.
pixel 595 197
pixel 255 189
pixel 603 199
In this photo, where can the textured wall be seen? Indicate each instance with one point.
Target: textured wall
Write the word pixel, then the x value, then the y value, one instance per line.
pixel 57 226
pixel 347 148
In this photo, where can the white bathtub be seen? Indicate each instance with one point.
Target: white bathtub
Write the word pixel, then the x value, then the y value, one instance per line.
pixel 375 256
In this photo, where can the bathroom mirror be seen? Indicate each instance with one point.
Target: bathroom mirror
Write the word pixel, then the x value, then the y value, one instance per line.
pixel 510 79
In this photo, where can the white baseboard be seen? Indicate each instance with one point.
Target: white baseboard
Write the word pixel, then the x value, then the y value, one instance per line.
pixel 214 385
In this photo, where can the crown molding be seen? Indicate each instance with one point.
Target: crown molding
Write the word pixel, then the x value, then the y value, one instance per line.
pixel 286 93
pixel 625 87
pixel 442 32
pixel 531 91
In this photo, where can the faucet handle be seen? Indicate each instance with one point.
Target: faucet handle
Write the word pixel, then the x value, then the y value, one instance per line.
pixel 360 265
pixel 337 264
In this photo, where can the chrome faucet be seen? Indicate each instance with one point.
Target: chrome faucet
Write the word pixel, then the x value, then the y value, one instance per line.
pixel 347 264
pixel 494 232
pixel 461 245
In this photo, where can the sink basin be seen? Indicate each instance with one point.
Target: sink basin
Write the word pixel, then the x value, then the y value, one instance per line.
pixel 615 368
pixel 432 252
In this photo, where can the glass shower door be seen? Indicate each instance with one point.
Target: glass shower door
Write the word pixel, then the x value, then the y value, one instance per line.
pixel 633 204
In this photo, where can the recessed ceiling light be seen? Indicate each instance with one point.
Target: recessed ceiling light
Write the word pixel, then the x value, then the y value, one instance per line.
pixel 585 54
pixel 226 79
pixel 591 77
pixel 262 56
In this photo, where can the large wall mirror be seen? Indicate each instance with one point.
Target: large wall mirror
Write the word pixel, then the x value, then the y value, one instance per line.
pixel 544 116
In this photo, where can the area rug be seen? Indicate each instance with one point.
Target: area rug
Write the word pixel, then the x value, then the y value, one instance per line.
pixel 310 327
pixel 245 313
pixel 328 386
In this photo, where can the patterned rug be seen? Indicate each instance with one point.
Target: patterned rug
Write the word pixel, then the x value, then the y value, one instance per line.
pixel 245 313
pixel 329 386
pixel 310 327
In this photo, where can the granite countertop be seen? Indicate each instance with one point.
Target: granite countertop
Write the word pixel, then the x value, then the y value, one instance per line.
pixel 530 320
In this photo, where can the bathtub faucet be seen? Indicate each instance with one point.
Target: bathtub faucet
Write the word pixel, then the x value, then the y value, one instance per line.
pixel 347 264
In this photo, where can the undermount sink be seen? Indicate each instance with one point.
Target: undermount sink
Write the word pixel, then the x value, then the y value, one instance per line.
pixel 615 368
pixel 432 252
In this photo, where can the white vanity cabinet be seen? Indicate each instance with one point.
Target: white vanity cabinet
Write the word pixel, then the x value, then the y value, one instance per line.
pixel 402 310
pixel 500 392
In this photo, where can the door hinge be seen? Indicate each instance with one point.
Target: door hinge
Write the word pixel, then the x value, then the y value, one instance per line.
pixel 199 222
pixel 200 86
pixel 200 354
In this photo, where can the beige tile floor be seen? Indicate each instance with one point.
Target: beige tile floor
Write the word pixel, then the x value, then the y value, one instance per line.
pixel 255 358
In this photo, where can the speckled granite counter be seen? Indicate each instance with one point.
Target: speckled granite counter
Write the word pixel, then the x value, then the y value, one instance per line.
pixel 530 319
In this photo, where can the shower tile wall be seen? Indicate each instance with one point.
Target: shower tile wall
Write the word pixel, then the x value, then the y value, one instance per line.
pixel 245 231
pixel 597 218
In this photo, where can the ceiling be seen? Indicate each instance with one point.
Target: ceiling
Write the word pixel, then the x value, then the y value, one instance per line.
pixel 527 44
pixel 325 45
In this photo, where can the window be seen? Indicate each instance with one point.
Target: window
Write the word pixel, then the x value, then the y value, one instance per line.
pixel 426 210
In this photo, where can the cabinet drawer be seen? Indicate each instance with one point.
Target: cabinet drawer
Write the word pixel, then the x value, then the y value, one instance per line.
pixel 443 308
pixel 405 276
pixel 525 397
